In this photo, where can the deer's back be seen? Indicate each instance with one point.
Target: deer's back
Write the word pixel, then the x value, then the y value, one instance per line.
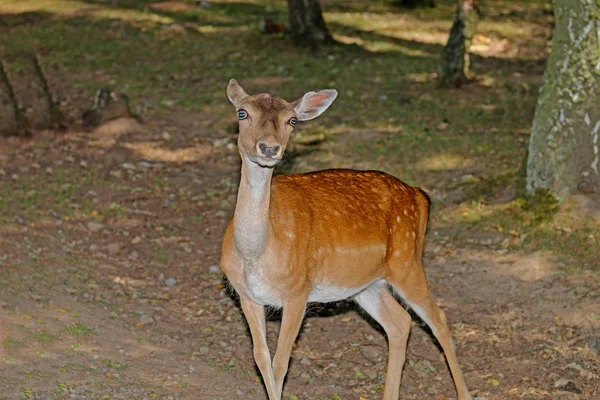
pixel 339 219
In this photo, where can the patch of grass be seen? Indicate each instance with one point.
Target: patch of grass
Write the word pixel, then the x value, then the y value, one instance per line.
pixel 163 257
pixel 43 336
pixel 117 366
pixel 148 340
pixel 79 330
pixel 11 343
pixel 542 205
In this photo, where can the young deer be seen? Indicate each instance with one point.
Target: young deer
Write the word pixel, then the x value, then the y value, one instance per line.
pixel 321 237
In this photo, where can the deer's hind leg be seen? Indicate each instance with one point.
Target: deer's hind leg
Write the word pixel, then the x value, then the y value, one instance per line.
pixel 383 307
pixel 414 290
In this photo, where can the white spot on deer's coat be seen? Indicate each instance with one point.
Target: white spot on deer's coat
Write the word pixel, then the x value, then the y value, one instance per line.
pixel 397 253
pixel 405 211
pixel 398 219
pixel 413 234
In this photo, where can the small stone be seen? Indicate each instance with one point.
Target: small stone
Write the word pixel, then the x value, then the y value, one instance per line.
pixel 94 226
pixel 93 247
pixel 146 319
pixel 203 350
pixel 166 135
pixel 214 269
pixel 113 248
pixel 371 353
pixel 306 362
pixel 136 240
pixel 567 386
pixel 240 393
pixel 170 282
pixel 128 166
pixel 443 126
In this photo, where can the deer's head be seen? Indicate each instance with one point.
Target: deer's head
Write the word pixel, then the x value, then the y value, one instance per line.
pixel 267 121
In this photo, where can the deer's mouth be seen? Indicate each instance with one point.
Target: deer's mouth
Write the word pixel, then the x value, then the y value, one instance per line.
pixel 262 161
pixel 268 162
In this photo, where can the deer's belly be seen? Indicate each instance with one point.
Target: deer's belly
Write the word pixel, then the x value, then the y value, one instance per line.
pixel 261 291
pixel 325 293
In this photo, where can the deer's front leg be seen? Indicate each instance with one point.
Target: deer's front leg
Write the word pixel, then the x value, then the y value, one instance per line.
pixel 255 315
pixel 293 313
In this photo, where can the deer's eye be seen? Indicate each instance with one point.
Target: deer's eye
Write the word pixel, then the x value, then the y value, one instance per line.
pixel 242 114
pixel 293 121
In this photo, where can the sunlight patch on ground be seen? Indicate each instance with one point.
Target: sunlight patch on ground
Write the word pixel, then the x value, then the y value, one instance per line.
pixel 392 26
pixel 380 46
pixel 443 162
pixel 80 8
pixel 154 152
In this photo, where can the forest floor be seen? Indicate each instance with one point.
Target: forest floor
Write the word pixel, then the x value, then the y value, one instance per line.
pixel 110 240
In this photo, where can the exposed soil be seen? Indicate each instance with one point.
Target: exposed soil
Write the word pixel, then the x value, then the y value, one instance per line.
pixel 109 289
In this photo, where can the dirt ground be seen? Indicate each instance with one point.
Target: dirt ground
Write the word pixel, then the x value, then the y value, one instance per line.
pixel 110 240
pixel 110 288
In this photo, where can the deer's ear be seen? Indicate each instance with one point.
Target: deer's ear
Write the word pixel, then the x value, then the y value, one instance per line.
pixel 235 92
pixel 313 104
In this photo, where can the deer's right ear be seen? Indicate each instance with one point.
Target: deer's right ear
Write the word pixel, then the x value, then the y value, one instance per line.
pixel 235 92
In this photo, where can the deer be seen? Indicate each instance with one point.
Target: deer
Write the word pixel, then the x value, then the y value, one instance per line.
pixel 323 236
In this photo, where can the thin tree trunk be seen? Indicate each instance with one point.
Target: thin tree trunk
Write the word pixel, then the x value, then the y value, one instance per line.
pixel 43 113
pixel 12 120
pixel 563 149
pixel 306 23
pixel 454 64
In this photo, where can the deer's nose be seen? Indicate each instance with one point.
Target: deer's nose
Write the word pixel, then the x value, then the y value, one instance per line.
pixel 268 151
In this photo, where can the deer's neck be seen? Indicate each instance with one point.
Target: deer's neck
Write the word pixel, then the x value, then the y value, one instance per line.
pixel 251 219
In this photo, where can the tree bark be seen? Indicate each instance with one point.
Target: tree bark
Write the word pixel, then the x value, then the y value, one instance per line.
pixel 306 23
pixel 12 120
pixel 417 3
pixel 454 63
pixel 43 112
pixel 563 148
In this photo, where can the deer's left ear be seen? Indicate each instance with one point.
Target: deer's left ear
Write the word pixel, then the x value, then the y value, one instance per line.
pixel 313 104
pixel 235 92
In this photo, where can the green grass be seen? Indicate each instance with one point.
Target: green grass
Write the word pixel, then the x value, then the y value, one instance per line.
pixel 43 336
pixel 78 330
pixel 11 343
pixel 474 138
pixel 117 366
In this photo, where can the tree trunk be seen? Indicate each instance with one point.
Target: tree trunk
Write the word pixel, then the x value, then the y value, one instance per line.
pixel 454 64
pixel 417 3
pixel 563 149
pixel 12 120
pixel 307 26
pixel 43 112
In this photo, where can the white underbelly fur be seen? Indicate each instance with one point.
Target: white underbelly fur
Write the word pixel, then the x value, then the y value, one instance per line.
pixel 258 290
pixel 326 293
